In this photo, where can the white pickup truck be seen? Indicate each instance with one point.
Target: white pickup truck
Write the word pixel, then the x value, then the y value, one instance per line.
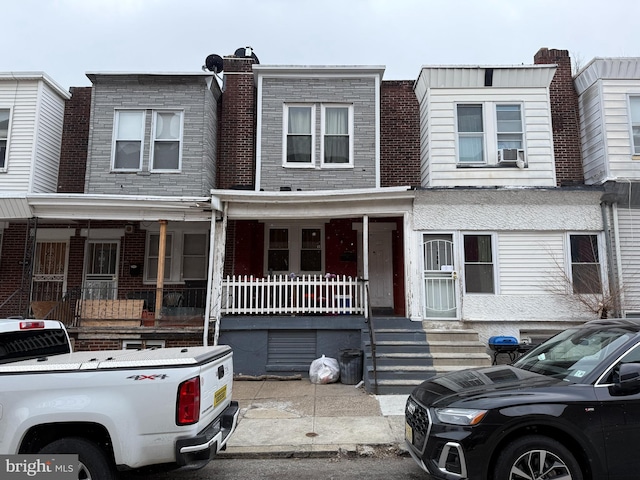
pixel 117 410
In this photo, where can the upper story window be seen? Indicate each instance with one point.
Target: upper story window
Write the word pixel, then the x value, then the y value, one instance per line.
pixel 336 135
pixel 299 128
pixel 4 137
pixel 129 133
pixel 470 134
pixel 509 126
pixel 585 264
pixel 634 103
pixel 166 140
pixel 490 133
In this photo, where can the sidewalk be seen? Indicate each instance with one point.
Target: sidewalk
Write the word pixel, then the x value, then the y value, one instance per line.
pixel 299 418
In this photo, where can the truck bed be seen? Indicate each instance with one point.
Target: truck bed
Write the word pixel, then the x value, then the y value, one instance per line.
pixel 111 359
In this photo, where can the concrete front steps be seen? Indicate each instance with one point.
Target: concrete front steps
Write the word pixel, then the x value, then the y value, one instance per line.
pixel 407 354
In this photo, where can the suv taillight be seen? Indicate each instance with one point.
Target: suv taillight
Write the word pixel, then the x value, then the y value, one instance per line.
pixel 188 405
pixel 31 324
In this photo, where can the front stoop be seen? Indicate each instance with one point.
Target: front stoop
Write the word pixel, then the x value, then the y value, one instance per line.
pixel 407 354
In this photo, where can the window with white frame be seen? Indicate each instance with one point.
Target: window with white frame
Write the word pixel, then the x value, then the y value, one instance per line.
pixel 194 256
pixel 153 257
pixel 186 256
pixel 336 135
pixel 470 133
pixel 485 129
pixel 634 105
pixel 586 276
pixel 509 126
pixel 128 140
pixel 166 140
pixel 4 136
pixel 478 264
pixel 299 131
pixel 294 249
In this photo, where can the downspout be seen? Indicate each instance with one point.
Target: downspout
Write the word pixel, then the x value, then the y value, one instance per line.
pixel 616 233
pixel 607 237
pixel 207 305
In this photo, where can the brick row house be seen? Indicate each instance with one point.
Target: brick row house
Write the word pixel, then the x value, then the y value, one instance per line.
pixel 296 211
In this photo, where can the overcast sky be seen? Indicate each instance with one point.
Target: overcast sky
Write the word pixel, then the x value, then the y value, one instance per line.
pixel 67 38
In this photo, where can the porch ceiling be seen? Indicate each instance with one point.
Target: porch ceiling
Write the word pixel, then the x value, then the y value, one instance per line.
pixel 246 205
pixel 112 207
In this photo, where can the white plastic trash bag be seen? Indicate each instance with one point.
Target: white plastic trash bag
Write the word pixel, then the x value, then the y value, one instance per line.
pixel 324 370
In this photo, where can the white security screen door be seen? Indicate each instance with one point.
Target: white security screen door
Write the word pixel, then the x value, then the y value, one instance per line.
pixel 101 278
pixel 439 277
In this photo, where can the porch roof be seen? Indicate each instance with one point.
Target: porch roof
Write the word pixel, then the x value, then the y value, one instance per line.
pixel 249 204
pixel 105 207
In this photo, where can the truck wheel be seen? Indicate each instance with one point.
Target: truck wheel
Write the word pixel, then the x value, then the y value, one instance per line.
pixel 94 464
pixel 536 457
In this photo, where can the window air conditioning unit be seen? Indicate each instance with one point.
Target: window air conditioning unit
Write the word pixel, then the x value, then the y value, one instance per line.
pixel 511 156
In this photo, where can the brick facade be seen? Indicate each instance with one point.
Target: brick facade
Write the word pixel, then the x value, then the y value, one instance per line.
pixel 399 135
pixel 565 117
pixel 237 126
pixel 75 139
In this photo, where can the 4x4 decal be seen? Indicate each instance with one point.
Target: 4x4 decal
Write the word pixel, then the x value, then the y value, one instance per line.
pixel 161 376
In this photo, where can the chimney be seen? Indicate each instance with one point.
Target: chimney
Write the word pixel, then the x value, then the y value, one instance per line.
pixel 236 159
pixel 565 117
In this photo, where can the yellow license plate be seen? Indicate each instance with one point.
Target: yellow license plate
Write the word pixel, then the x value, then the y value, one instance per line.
pixel 219 396
pixel 408 432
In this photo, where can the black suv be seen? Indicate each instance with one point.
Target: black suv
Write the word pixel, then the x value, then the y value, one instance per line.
pixel 569 409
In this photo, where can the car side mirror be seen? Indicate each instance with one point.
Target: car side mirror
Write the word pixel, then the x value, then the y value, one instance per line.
pixel 628 379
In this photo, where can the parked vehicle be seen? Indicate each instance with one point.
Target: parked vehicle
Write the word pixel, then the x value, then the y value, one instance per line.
pixel 569 409
pixel 116 410
pixel 24 339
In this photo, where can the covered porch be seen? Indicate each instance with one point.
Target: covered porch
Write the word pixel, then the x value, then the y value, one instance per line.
pixel 297 275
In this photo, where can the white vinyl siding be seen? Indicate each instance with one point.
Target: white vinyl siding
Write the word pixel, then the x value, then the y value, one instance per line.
pixel 531 263
pixel 443 171
pixel 441 89
pixel 33 153
pixel 606 88
pixel 629 224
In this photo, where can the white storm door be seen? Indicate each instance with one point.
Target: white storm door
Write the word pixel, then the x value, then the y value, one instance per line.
pixel 440 297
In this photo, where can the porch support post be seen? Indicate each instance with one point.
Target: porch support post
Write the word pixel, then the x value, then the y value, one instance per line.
pixel 365 262
pixel 216 267
pixel 162 248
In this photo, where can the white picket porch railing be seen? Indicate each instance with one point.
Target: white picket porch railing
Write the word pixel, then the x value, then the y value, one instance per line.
pixel 284 294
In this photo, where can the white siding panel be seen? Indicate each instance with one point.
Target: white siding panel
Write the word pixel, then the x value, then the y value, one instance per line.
pixel 629 224
pixel 442 159
pixel 617 127
pixel 531 263
pixel 592 136
pixel 49 139
pixel 21 96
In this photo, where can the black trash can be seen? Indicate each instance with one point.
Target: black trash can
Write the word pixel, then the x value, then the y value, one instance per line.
pixel 350 366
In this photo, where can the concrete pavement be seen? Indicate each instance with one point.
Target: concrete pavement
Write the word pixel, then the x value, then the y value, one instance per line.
pixel 299 418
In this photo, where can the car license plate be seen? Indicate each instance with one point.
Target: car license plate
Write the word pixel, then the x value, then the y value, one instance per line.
pixel 219 396
pixel 408 432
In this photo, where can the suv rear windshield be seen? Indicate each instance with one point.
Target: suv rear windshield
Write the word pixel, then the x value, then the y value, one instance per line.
pixel 26 344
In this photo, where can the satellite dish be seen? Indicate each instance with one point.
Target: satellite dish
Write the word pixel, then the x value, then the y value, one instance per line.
pixel 214 63
pixel 246 52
